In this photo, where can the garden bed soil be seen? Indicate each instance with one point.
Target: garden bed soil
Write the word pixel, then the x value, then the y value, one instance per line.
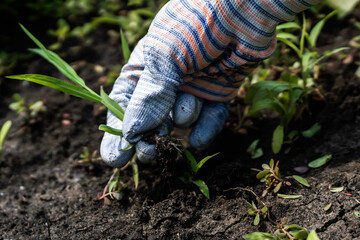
pixel 44 194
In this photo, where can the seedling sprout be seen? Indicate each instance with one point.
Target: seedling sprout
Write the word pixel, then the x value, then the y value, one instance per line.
pixel 195 167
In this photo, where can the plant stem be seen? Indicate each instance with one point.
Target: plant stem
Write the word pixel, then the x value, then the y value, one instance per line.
pixel 287 234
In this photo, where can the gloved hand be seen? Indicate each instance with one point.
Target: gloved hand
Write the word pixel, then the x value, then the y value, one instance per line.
pixel 192 60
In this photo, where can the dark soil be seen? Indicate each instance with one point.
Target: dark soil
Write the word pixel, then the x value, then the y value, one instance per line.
pixel 44 195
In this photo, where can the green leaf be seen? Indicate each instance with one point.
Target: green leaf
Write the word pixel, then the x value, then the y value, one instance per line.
pixel 315 31
pixel 251 206
pixel 125 47
pixel 293 227
pixel 135 171
pixel 288 25
pixel 110 130
pixel 128 148
pixel 264 210
pixel 327 207
pixel 289 196
pixel 357 214
pixel 259 98
pixel 203 161
pixel 3 132
pixel 327 54
pixel 255 152
pixel 271 163
pixel 312 236
pixel 309 133
pixel 301 180
pixel 251 212
pixel 252 147
pixel 336 189
pixel 277 188
pixel 192 160
pixel 257 219
pixel 203 187
pixel 289 36
pixel 320 161
pixel 291 45
pixel 278 139
pixel 258 153
pixel 260 236
pixel 111 188
pixel 113 106
pixel 302 234
pixel 58 85
pixel 262 174
pixel 265 166
pixel 54 59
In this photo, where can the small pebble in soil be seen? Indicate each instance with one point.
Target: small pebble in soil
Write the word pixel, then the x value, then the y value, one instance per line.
pixel 301 169
pixel 22 188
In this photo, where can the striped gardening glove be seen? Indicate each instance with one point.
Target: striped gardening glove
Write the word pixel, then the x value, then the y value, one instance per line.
pixel 191 63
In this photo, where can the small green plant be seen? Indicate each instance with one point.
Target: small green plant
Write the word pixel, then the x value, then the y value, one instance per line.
pixel 257 212
pixel 3 132
pixel 284 232
pixel 195 167
pixel 254 151
pixel 113 189
pixel 78 89
pixel 29 111
pixel 270 175
pixel 289 97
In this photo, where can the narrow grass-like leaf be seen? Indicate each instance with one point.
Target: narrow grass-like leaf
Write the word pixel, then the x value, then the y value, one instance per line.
pixel 135 171
pixel 288 25
pixel 58 85
pixel 113 106
pixel 291 45
pixel 278 139
pixel 288 36
pixel 289 196
pixel 110 130
pixel 320 161
pixel 309 133
pixel 191 159
pixel 336 189
pixel 203 187
pixel 128 148
pixel 3 132
pixel 125 46
pixel 327 55
pixel 257 219
pixel 312 236
pixel 111 188
pixel 315 31
pixel 56 60
pixel 301 180
pixel 203 161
